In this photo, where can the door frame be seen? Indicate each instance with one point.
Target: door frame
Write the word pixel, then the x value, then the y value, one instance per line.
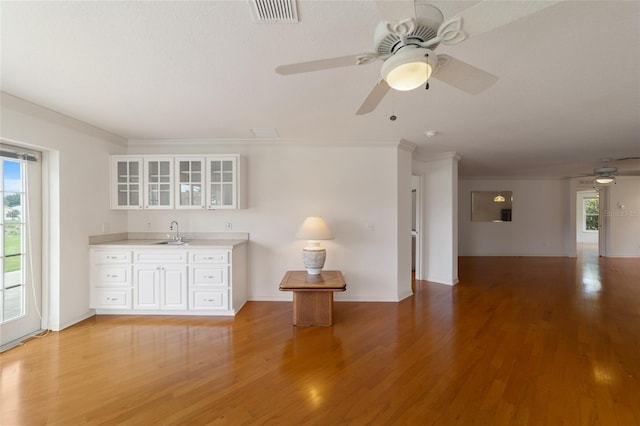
pixel 36 252
pixel 603 221
pixel 419 225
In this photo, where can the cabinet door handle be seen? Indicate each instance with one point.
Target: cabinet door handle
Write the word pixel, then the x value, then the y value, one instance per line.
pixel 209 276
pixel 112 276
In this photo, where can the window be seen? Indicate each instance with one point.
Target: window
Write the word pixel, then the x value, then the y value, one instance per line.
pixel 12 287
pixel 591 209
pixel 20 244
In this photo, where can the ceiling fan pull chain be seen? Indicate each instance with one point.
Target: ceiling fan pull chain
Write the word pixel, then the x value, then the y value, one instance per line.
pixel 426 70
pixel 393 106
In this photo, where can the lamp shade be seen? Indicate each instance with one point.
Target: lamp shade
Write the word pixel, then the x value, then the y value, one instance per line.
pixel 409 68
pixel 314 228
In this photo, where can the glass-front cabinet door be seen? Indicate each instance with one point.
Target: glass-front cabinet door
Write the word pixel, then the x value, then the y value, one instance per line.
pixel 222 182
pixel 126 182
pixel 190 182
pixel 158 185
pixel 181 182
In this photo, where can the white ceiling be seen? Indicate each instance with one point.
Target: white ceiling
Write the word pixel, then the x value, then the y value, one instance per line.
pixel 568 92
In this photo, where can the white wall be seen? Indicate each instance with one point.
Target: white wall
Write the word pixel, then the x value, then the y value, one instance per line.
pixel 350 186
pixel 76 186
pixel 403 252
pixel 440 217
pixel 540 219
pixel 623 211
pixel 582 236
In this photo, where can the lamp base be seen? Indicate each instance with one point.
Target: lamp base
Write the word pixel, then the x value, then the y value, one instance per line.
pixel 313 260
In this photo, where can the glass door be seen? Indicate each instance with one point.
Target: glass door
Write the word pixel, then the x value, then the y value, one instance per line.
pixel 20 245
pixel 190 183
pixel 222 191
pixel 126 183
pixel 159 185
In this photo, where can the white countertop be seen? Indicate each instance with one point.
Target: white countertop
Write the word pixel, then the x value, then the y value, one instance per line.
pixel 148 244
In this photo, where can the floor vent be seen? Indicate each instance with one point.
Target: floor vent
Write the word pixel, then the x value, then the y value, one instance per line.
pixel 275 11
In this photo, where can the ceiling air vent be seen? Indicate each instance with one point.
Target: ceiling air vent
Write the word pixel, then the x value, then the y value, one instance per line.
pixel 275 11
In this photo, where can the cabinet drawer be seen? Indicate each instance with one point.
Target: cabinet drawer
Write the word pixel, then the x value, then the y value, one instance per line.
pixel 112 275
pixel 218 256
pixel 160 256
pixel 109 256
pixel 209 299
pixel 113 298
pixel 203 276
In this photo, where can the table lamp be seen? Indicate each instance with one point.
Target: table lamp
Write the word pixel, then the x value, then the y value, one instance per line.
pixel 314 229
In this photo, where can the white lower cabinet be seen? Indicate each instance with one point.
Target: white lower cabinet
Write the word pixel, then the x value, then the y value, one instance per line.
pixel 110 279
pixel 153 281
pixel 209 299
pixel 160 287
pixel 112 298
pixel 209 280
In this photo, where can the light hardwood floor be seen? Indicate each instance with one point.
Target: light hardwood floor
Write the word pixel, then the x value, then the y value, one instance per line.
pixel 531 341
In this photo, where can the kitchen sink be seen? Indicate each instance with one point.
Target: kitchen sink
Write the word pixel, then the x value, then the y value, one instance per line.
pixel 173 243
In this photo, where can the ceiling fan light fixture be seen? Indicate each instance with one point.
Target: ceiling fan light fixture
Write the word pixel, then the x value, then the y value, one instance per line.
pixel 605 180
pixel 409 69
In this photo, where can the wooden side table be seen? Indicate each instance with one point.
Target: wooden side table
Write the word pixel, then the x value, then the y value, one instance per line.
pixel 313 295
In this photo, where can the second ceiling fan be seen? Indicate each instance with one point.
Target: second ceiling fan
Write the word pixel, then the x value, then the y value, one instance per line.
pixel 405 41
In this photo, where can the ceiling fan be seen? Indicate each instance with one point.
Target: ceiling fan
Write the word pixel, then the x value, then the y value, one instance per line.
pixel 405 41
pixel 606 174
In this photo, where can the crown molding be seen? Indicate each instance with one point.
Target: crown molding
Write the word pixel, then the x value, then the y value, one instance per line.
pixel 43 113
pixel 407 146
pixel 454 156
pixel 501 178
pixel 338 143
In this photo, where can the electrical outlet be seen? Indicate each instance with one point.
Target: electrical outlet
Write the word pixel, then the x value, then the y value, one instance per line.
pixel 105 227
pixel 228 226
pixel 371 227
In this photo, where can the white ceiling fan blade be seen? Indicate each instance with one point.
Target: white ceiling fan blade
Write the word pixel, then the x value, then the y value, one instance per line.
pixel 373 99
pixel 463 76
pixel 489 14
pixel 629 173
pixel 396 10
pixel 321 64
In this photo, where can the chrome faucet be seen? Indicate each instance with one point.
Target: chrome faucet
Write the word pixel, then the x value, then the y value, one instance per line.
pixel 177 237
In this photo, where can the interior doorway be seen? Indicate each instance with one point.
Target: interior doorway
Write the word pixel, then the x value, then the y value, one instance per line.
pixel 416 229
pixel 588 223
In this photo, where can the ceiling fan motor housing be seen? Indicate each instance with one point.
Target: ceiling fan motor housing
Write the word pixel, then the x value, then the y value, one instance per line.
pixel 428 20
pixel 605 171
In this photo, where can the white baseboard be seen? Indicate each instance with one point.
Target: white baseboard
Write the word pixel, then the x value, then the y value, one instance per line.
pixel 61 326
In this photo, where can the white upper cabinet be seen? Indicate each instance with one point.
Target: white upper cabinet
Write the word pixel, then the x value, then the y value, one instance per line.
pixel 180 182
pixel 126 182
pixel 222 182
pixel 158 183
pixel 190 182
